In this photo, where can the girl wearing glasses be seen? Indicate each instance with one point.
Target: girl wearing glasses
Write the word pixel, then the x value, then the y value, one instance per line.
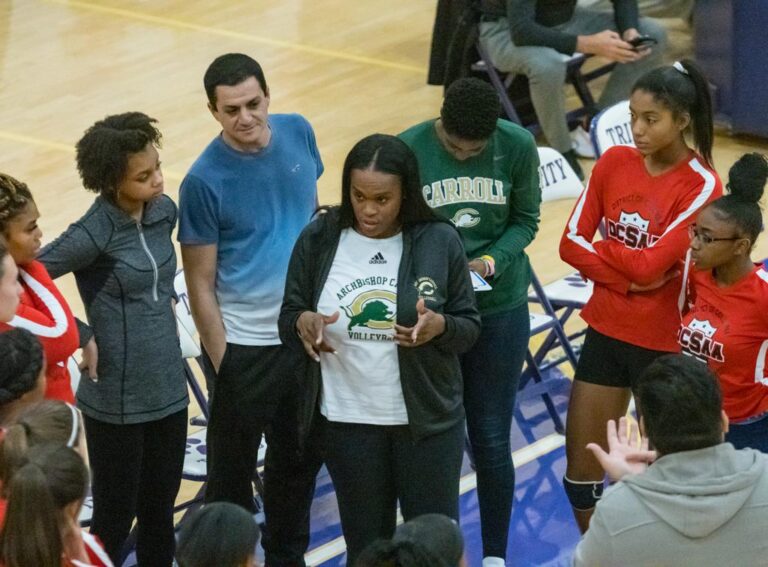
pixel 725 320
pixel 646 196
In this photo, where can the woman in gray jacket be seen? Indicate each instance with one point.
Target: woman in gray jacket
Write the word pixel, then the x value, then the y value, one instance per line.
pixel 124 263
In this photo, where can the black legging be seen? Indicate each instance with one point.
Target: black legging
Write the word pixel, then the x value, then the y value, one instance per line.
pixel 136 472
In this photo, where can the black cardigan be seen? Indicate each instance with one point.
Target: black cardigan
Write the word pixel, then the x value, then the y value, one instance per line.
pixel 430 374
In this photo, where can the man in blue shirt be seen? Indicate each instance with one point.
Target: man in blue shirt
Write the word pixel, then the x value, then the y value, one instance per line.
pixel 242 206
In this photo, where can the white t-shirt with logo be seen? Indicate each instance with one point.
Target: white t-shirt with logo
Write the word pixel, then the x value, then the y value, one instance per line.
pixel 361 383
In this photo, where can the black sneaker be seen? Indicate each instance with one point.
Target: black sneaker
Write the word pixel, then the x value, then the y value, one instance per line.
pixel 573 160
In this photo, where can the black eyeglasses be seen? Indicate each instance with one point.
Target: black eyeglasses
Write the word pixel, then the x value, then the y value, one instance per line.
pixel 693 232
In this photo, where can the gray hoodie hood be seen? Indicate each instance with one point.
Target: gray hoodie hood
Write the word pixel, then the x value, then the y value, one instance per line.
pixel 696 492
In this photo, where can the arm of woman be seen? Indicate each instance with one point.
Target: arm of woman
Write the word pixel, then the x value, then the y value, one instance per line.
pixel 524 209
pixel 73 250
pixel 297 297
pixel 576 246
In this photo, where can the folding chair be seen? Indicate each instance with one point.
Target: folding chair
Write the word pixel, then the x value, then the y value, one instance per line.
pixel 195 465
pixel 611 127
pixel 514 92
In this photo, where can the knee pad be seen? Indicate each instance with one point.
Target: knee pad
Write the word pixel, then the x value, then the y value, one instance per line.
pixel 583 494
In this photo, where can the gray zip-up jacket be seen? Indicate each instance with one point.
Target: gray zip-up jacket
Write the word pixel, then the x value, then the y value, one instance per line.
pixel 124 272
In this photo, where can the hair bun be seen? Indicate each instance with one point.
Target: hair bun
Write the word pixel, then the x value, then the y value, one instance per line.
pixel 747 177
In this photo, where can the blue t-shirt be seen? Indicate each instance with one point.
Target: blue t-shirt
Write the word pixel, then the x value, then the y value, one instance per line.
pixel 253 207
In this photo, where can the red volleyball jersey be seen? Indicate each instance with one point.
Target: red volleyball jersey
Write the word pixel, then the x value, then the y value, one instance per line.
pixel 727 327
pixel 45 313
pixel 646 222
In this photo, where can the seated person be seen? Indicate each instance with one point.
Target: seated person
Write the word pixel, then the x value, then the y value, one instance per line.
pixel 22 372
pixel 694 500
pixel 651 8
pixel 535 38
pixel 438 533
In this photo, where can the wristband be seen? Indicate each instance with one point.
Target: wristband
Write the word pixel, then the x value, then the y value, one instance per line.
pixel 490 263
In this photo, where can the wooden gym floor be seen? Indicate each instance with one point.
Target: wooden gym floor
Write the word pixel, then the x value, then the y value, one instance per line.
pixel 352 68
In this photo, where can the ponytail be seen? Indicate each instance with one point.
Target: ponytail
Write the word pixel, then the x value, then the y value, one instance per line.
pixel 52 477
pixel 48 421
pixel 683 88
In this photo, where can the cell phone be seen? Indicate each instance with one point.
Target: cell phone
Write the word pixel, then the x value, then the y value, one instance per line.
pixel 642 41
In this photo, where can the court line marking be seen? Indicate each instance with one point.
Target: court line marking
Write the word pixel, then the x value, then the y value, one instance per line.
pixel 521 457
pixel 60 147
pixel 178 24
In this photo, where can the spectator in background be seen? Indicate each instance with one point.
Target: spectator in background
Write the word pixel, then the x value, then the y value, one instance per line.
pixel 651 8
pixel 220 534
pixel 535 38
pixel 695 500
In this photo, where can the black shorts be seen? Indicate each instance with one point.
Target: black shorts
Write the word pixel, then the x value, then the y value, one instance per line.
pixel 610 362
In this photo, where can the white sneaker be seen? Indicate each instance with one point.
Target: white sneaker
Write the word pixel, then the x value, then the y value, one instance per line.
pixel 581 143
pixel 493 562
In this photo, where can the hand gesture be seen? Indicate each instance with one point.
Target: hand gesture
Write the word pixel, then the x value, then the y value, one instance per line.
pixel 607 44
pixel 624 456
pixel 428 325
pixel 90 361
pixel 668 275
pixel 310 326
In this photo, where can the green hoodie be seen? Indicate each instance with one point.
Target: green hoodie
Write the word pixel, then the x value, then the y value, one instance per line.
pixel 493 198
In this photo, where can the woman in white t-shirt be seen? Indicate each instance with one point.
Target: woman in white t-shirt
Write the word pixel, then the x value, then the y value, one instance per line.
pixel 379 298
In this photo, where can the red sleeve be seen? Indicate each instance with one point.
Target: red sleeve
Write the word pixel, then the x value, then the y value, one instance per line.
pixel 646 265
pixel 45 313
pixel 576 246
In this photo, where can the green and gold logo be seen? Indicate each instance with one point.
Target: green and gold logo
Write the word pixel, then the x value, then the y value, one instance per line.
pixel 426 286
pixel 466 218
pixel 373 309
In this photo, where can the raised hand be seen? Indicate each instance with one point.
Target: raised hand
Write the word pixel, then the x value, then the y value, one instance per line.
pixel 625 455
pixel 428 325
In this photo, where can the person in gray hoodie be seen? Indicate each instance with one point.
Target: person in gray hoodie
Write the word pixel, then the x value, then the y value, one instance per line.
pixel 693 500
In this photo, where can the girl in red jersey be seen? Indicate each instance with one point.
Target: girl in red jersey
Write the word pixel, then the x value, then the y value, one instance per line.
pixel 646 196
pixel 725 322
pixel 46 493
pixel 43 310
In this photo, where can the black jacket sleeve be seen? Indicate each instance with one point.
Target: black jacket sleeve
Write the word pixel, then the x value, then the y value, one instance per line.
pixel 525 30
pixel 297 297
pixel 462 319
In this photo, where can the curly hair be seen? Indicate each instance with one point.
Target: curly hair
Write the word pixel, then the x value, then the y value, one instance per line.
pixel 470 109
pixel 22 357
pixel 104 150
pixel 14 198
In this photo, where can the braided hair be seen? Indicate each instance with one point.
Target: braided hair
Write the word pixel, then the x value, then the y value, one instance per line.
pixel 22 356
pixel 14 198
